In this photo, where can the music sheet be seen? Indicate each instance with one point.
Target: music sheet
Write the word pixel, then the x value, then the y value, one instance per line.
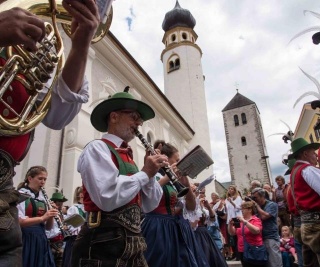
pixel 194 162
pixel 75 220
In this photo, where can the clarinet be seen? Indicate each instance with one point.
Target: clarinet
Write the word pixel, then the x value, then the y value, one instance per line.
pixel 182 190
pixel 57 218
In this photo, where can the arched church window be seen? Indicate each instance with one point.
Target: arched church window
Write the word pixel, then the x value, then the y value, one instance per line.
pixel 173 37
pixel 236 120
pixel 177 63
pixel 184 36
pixel 243 118
pixel 243 141
pixel 173 63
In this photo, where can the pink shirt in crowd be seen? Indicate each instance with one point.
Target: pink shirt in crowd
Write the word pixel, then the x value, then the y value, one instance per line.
pixel 252 239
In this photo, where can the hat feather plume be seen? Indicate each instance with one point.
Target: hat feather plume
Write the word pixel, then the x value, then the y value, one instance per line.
pixel 309 93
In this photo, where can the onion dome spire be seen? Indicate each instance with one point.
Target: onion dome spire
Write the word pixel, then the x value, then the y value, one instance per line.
pixel 178 17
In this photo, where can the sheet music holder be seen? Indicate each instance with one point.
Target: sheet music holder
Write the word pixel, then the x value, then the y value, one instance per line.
pixel 75 220
pixel 194 162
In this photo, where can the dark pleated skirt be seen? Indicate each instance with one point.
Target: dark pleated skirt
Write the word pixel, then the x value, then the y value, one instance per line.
pixel 168 242
pixel 36 250
pixel 212 252
pixel 67 252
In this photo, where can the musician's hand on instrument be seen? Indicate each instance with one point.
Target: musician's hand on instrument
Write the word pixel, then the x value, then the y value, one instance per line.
pixel 49 214
pixel 20 27
pixel 85 21
pixel 153 163
pixel 53 205
pixel 175 169
pixel 184 180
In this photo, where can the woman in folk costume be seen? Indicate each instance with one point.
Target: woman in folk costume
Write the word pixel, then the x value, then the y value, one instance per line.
pixel 34 218
pixel 205 241
pixel 169 237
pixel 76 208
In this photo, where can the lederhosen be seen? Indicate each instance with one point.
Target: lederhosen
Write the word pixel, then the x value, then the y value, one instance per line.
pixel 121 225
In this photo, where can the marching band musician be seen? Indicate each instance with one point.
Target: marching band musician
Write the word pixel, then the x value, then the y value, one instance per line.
pixel 76 208
pixel 18 26
pixel 115 191
pixel 55 236
pixel 170 239
pixel 34 218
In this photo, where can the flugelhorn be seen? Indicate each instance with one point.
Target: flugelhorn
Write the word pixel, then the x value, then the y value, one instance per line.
pixel 182 190
pixel 32 71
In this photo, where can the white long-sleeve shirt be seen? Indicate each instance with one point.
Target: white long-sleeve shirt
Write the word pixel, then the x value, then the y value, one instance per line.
pixel 65 104
pixel 109 190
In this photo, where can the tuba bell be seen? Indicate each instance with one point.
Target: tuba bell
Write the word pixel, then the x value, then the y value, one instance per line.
pixel 26 74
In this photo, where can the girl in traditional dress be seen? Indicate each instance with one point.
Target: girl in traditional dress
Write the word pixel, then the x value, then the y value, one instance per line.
pixel 34 218
pixel 169 237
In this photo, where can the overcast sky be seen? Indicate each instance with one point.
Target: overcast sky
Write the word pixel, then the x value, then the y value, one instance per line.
pixel 244 42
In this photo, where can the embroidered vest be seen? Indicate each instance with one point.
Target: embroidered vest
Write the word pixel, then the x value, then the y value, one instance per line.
pixel 168 200
pixel 125 165
pixel 34 208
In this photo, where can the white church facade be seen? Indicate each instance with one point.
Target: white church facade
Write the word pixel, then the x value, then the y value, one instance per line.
pixel 110 69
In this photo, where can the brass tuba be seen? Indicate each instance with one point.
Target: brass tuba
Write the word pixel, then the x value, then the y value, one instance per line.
pixel 32 71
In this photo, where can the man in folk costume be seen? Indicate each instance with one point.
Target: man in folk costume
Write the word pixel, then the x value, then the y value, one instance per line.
pixel 115 191
pixel 305 187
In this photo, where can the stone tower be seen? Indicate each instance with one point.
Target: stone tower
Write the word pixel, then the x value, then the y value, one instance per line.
pixel 248 158
pixel 183 76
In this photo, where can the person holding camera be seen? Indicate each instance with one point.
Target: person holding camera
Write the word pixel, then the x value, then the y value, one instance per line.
pixel 267 211
pixel 252 229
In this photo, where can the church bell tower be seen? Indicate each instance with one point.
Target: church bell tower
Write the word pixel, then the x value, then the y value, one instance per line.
pixel 247 152
pixel 183 75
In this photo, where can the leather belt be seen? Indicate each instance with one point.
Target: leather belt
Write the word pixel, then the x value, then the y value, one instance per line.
pixel 128 217
pixel 310 216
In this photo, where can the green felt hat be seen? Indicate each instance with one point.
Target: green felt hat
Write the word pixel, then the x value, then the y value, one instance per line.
pixel 58 197
pixel 300 144
pixel 118 101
